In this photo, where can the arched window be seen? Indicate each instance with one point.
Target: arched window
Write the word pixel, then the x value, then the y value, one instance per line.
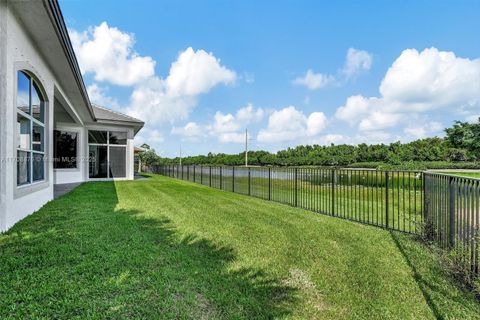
pixel 30 131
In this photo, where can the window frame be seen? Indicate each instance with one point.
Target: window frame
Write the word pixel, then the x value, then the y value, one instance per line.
pixel 32 121
pixel 108 145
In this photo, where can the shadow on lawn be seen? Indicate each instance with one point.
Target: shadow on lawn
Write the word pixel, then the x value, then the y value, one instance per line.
pixel 443 292
pixel 81 257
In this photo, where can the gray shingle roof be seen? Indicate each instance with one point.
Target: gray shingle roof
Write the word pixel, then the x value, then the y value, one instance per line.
pixel 102 113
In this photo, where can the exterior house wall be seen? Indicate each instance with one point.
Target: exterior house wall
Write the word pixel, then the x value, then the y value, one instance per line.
pixel 3 110
pixel 21 53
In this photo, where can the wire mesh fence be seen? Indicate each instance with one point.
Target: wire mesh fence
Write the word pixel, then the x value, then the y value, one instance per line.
pixel 440 207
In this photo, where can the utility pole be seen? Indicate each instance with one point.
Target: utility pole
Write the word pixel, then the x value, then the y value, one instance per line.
pixel 246 147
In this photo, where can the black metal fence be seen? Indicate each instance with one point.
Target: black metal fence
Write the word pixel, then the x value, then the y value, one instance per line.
pixel 442 207
pixel 453 219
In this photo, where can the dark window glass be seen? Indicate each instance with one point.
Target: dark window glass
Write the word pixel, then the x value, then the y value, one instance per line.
pixel 23 167
pixel 38 167
pixel 38 138
pixel 98 161
pixel 30 136
pixel 37 104
pixel 117 164
pixel 64 149
pixel 117 137
pixel 97 137
pixel 23 92
pixel 23 132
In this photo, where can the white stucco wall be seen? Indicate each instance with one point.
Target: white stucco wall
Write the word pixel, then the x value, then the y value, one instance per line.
pixel 3 103
pixel 22 54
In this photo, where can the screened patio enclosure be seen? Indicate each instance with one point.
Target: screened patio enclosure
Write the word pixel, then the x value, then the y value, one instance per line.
pixel 107 154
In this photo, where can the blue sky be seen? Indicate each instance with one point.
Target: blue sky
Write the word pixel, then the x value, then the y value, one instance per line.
pixel 293 72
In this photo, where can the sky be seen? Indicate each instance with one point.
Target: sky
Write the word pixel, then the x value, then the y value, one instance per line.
pixel 199 73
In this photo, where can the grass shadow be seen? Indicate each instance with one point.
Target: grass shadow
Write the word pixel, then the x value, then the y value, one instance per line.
pixel 82 257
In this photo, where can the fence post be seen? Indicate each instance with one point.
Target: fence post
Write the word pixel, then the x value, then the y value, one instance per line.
pixel 193 173
pixel 201 174
pixel 427 221
pixel 233 179
pixel 269 183
pixel 210 176
pixel 249 182
pixel 188 173
pixel 333 191
pixel 220 178
pixel 386 199
pixel 296 187
pixel 451 211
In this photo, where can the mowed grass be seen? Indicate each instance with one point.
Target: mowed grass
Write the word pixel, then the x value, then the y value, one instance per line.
pixel 169 249
pixel 470 174
pixel 362 197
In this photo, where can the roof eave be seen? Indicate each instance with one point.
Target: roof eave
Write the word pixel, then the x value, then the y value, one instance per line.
pixel 137 125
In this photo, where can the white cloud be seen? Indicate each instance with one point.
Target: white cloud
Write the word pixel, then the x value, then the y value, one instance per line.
pixel 422 130
pixel 248 114
pixel 377 120
pixel 149 136
pixel 224 123
pixel 225 128
pixel 229 128
pixel 473 118
pixel 234 137
pixel 314 81
pixel 152 102
pixel 417 83
pixel 432 79
pixel 357 61
pixel 354 108
pixel 196 72
pixel 108 53
pixel 289 124
pixel 190 131
pixel 192 74
pixel 330 138
pixel 316 123
pixel 98 95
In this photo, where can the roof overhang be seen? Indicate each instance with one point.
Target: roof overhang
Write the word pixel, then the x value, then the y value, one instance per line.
pixel 43 21
pixel 133 124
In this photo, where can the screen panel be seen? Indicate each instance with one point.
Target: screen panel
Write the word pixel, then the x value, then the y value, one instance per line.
pixel 118 162
pixel 64 149
pixel 98 161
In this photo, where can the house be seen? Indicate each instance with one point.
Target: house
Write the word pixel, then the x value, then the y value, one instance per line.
pixel 50 132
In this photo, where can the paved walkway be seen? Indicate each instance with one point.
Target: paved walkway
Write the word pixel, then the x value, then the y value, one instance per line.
pixel 61 189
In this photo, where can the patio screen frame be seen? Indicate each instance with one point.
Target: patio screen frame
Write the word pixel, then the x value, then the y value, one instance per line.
pixel 108 145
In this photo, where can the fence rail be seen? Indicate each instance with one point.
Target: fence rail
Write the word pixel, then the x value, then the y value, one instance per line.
pixel 442 207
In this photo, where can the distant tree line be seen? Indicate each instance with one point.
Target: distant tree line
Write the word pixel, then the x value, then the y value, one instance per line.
pixel 460 144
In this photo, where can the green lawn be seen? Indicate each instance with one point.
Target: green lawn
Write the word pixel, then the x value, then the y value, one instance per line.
pixel 165 248
pixel 464 174
pixel 358 195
